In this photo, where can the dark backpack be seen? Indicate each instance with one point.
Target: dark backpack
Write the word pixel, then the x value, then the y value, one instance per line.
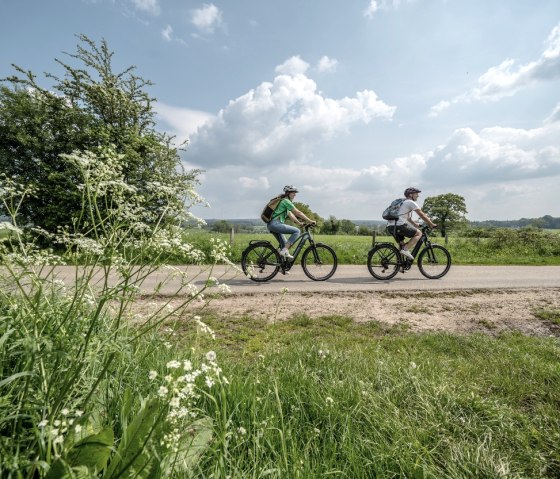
pixel 268 210
pixel 392 211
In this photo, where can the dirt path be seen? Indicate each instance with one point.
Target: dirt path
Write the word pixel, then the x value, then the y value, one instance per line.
pixel 461 311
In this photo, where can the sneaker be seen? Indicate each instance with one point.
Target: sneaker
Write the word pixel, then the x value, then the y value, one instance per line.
pixel 407 253
pixel 284 252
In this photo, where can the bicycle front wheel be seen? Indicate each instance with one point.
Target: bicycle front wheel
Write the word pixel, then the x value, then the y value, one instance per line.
pixel 261 262
pixel 383 261
pixel 319 262
pixel 434 261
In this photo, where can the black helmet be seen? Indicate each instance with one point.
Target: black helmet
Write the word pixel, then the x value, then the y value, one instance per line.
pixel 411 190
pixel 290 189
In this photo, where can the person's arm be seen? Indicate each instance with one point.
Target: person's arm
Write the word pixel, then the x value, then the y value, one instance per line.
pixel 295 212
pixel 425 217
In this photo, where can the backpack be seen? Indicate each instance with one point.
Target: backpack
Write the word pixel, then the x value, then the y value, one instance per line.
pixel 392 211
pixel 268 210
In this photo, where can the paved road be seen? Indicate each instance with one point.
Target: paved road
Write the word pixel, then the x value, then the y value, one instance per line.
pixel 357 278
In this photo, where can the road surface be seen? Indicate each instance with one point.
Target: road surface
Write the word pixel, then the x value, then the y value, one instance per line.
pixel 357 278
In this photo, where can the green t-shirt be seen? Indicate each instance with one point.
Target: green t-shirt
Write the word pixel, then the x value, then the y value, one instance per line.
pixel 281 211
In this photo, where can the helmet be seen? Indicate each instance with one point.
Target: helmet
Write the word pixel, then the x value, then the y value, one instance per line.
pixel 409 191
pixel 290 189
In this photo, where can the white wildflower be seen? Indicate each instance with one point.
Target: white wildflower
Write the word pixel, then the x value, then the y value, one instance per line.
pixel 173 365
pixel 211 356
pixel 152 375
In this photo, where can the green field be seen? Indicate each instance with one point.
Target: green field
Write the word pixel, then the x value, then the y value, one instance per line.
pixel 511 248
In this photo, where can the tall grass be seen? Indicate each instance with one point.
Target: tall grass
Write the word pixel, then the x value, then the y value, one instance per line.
pixel 88 388
pixel 328 397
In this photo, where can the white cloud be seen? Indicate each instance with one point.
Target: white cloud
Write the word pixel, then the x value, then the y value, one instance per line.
pixel 280 121
pixel 505 80
pixel 376 5
pixel 167 33
pixel 183 122
pixel 327 65
pixel 292 66
pixel 497 155
pixel 260 183
pixel 149 6
pixel 207 18
pixel 554 116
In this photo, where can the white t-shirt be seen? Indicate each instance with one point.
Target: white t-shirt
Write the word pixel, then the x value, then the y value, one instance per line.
pixel 405 211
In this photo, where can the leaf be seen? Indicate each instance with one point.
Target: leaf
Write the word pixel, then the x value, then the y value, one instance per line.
pixel 15 376
pixel 193 444
pixel 136 435
pixel 58 470
pixel 93 451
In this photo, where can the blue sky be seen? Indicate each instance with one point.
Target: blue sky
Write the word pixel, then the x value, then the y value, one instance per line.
pixel 350 101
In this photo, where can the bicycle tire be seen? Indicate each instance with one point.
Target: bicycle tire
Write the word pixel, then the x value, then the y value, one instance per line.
pixel 383 261
pixel 434 261
pixel 319 262
pixel 260 262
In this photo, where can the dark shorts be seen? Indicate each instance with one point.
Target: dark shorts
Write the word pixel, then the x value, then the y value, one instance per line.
pixel 403 231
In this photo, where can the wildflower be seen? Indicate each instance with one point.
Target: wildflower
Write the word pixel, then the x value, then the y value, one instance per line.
pixel 241 430
pixel 413 365
pixel 162 391
pixel 78 413
pixel 43 423
pixel 209 381
pixel 152 375
pixel 187 365
pixel 173 365
pixel 329 401
pixel 211 356
pixel 316 431
pixel 65 412
pixel 78 429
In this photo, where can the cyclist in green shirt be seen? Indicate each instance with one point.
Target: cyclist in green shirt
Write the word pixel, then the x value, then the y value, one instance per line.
pixel 286 209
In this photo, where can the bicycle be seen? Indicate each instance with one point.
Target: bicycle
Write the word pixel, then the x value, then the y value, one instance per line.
pixel 261 261
pixel 385 260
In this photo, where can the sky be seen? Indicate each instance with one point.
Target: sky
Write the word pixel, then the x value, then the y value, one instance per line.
pixel 350 101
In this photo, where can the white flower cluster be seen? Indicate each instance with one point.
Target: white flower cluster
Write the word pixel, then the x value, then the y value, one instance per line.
pixel 221 251
pixel 56 431
pixel 180 388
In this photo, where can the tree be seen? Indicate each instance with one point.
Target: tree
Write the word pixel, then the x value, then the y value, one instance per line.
pixel 331 226
pixel 447 211
pixel 90 108
pixel 347 227
pixel 306 210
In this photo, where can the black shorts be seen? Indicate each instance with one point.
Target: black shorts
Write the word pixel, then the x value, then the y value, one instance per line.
pixel 402 231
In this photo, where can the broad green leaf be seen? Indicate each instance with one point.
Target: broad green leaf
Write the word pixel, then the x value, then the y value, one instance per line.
pixel 193 443
pixel 129 454
pixel 93 451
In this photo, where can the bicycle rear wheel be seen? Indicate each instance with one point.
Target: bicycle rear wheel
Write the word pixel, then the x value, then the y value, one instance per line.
pixel 383 261
pixel 434 261
pixel 261 262
pixel 319 262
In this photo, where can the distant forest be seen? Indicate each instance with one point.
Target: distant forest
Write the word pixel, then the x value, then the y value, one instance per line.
pixel 546 222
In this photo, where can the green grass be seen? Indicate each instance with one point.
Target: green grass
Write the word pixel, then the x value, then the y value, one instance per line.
pixel 534 250
pixel 330 397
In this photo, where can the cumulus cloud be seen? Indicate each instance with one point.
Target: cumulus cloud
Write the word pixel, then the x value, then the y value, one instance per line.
pixel 506 80
pixel 148 6
pixel 207 18
pixel 495 155
pixel 292 66
pixel 280 121
pixel 182 122
pixel 327 65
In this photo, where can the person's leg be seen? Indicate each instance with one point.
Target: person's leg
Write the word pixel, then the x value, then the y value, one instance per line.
pixel 281 228
pixel 410 232
pixel 274 227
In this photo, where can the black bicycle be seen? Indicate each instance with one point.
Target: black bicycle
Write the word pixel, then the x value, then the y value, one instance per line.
pixel 261 261
pixel 385 260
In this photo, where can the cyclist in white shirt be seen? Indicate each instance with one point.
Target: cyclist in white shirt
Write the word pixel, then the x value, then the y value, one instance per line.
pixel 405 226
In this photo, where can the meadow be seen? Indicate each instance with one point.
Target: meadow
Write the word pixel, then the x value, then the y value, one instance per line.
pixel 499 247
pixel 93 387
